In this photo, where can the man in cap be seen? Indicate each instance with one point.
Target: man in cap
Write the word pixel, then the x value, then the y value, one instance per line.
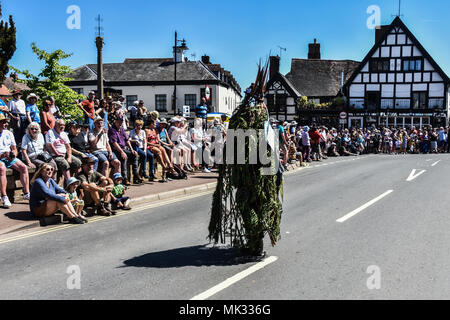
pixel 79 138
pixel 8 159
pixel 123 149
pixel 97 188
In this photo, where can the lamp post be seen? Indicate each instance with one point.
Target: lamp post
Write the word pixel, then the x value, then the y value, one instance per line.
pixel 175 51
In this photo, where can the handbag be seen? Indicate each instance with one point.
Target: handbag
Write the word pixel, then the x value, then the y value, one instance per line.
pixel 43 156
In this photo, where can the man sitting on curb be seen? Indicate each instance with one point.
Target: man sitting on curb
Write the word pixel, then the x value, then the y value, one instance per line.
pixel 97 188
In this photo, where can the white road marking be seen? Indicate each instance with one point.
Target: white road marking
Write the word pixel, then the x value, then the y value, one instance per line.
pixel 413 174
pixel 230 281
pixel 436 163
pixel 365 206
pixel 429 160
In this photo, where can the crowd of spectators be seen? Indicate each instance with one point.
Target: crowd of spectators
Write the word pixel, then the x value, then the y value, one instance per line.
pixel 314 143
pixel 85 164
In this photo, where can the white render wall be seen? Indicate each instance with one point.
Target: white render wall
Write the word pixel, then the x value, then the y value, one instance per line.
pixel 224 99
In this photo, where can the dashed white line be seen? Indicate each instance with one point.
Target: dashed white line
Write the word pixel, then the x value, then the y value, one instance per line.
pixel 436 163
pixel 365 206
pixel 230 281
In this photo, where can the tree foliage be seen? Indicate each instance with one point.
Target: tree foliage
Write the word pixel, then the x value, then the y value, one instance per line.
pixel 7 44
pixel 54 77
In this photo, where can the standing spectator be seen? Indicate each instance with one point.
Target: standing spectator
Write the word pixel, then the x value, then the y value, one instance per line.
pixel 33 149
pixel 8 159
pixel 133 111
pixel 48 120
pixel 18 112
pixel 54 109
pixel 88 107
pixel 47 197
pixel 442 139
pixel 32 110
pixel 3 107
pixel 58 144
pixel 97 188
pixel 123 150
pixel 306 143
pixel 201 111
pixel 138 138
pixel 102 112
pixel 98 139
pixel 142 112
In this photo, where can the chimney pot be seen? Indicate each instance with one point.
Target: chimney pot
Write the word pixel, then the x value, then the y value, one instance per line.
pixel 205 59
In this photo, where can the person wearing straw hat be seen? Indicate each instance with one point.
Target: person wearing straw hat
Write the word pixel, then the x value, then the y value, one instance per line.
pixel 77 203
pixel 8 159
pixel 32 110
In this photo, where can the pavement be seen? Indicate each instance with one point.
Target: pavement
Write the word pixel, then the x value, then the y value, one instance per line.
pixel 368 227
pixel 18 217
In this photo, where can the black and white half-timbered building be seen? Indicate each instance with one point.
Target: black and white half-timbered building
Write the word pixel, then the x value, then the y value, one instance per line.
pixel 398 84
pixel 281 95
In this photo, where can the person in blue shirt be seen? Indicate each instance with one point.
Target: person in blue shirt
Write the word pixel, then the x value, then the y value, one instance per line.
pixel 47 197
pixel 3 107
pixel 32 110
pixel 201 111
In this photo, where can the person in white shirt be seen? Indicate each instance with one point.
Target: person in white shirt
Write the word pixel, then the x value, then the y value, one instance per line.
pixel 8 159
pixel 17 109
pixel 58 144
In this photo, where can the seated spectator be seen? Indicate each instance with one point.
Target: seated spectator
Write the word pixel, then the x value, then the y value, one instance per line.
pixel 98 139
pixel 8 159
pixel 33 149
pixel 79 139
pixel 121 146
pixel 164 138
pixel 58 144
pixel 47 197
pixel 332 150
pixel 96 187
pixel 32 110
pixel 117 196
pixel 155 147
pixel 138 138
pixel 47 118
pixel 199 139
pixel 77 203
pixel 181 152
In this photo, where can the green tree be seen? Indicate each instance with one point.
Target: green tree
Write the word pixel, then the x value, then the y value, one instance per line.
pixel 7 44
pixel 54 77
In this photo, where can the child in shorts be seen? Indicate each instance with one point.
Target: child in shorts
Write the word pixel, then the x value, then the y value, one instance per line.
pixel 117 194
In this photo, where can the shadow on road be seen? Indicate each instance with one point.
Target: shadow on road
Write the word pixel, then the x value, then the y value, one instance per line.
pixel 22 216
pixel 196 256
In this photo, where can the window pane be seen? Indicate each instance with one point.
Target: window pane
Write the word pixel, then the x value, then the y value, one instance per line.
pixel 190 100
pixel 131 100
pixel 419 65
pixel 406 65
pixel 161 102
pixel 386 65
pixel 412 65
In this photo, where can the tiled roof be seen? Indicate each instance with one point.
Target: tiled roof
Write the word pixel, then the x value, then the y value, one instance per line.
pixel 320 78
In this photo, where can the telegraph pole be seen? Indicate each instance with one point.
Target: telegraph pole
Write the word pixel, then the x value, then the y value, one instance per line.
pixel 99 43
pixel 174 101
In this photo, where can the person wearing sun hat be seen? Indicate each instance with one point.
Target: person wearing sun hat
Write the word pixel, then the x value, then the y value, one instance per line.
pixel 77 203
pixel 32 110
pixel 117 194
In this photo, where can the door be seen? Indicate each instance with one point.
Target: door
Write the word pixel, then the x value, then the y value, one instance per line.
pixel 356 122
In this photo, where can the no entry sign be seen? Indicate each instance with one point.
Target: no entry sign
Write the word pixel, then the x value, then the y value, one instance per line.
pixel 343 115
pixel 207 92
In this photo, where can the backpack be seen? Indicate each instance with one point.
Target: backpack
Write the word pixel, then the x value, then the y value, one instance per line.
pixel 180 173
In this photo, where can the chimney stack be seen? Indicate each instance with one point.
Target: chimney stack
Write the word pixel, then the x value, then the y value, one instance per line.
pixel 274 65
pixel 205 59
pixel 379 32
pixel 314 50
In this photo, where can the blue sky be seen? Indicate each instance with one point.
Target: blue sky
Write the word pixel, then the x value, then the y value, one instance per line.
pixel 234 33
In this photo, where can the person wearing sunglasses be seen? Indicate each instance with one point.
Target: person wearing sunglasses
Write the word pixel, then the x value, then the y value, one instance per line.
pixel 33 149
pixel 47 197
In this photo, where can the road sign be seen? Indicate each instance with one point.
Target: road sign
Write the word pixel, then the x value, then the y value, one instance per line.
pixel 186 111
pixel 207 92
pixel 343 115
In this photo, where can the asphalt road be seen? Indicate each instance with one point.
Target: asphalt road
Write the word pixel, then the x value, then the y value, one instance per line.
pixel 403 239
